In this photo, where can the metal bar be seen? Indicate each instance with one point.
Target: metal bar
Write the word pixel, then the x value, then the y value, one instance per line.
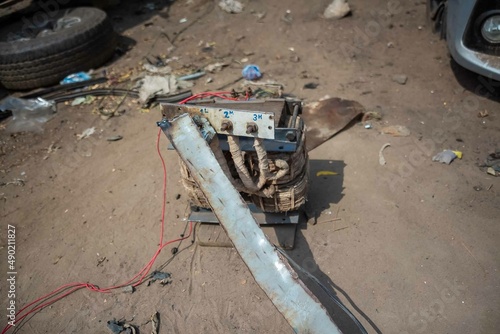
pixel 280 282
pixel 236 122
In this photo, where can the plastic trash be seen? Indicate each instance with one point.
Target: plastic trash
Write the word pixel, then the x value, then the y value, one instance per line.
pixel 251 72
pixel 447 156
pixel 76 77
pixel 28 115
pixel 231 6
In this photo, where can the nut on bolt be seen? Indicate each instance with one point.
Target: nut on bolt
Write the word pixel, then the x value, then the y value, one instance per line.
pixel 252 128
pixel 226 126
pixel 290 135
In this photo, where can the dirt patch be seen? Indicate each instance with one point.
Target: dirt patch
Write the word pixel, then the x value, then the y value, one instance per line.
pixel 415 250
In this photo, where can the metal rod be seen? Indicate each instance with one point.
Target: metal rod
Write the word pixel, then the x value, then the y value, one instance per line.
pixel 280 282
pixel 295 114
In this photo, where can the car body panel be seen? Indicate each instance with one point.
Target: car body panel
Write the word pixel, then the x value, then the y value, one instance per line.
pixel 457 19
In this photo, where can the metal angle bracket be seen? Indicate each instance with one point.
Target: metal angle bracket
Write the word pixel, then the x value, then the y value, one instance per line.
pixel 244 123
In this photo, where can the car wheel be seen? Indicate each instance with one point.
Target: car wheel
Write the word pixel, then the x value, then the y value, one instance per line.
pixel 39 52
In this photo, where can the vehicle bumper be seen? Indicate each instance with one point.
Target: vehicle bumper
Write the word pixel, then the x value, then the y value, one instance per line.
pixel 459 13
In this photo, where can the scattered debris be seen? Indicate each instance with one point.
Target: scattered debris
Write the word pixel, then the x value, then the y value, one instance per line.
pixel 28 115
pixel 17 182
pixel 231 6
pixel 122 327
pixel 400 78
pixel 174 250
pixel 326 118
pixel 51 149
pixel 287 17
pixel 216 67
pixel 259 15
pixel 447 156
pixel 483 114
pixel 337 10
pixel 493 163
pixel 251 72
pixel 163 277
pixel 368 126
pixel 371 115
pixel 155 323
pixel 101 260
pixel 183 20
pixel 330 220
pixel 114 138
pixel 87 132
pixel 83 100
pixel 76 77
pixel 477 188
pixel 153 85
pixel 157 69
pixel 396 131
pixel 311 85
pixel 381 159
pixel 326 173
pixel 192 76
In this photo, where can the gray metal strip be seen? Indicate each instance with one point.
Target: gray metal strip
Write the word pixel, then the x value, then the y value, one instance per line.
pixel 279 281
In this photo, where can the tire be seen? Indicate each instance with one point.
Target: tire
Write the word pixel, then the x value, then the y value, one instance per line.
pixel 44 60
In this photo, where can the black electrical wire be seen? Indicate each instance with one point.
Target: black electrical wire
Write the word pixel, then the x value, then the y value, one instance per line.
pixel 65 87
pixel 120 92
pixel 334 298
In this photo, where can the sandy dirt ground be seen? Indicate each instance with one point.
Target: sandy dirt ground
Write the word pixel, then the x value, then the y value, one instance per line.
pixel 416 249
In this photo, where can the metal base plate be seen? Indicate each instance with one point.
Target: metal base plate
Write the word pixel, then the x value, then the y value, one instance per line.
pixel 262 218
pixel 213 235
pixel 280 228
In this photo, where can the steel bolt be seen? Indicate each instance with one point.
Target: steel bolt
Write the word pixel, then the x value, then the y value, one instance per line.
pixel 226 126
pixel 290 135
pixel 251 128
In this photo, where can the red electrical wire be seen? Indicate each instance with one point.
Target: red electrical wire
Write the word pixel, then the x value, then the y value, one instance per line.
pixel 53 297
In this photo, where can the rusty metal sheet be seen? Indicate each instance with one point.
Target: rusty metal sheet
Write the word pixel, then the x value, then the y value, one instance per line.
pixel 324 119
pixel 238 119
pixel 278 280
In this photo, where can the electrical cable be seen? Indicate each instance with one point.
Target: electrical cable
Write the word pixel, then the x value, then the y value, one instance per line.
pixel 335 299
pixel 67 289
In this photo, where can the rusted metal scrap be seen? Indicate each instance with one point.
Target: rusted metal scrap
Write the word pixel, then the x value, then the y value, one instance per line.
pixel 280 282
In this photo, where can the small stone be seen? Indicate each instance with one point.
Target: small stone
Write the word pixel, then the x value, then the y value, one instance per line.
pixel 337 10
pixel 128 289
pixel 400 78
pixel 311 85
pixel 491 171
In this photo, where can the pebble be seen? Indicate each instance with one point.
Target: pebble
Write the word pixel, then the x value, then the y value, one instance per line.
pixel 114 138
pixel 400 78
